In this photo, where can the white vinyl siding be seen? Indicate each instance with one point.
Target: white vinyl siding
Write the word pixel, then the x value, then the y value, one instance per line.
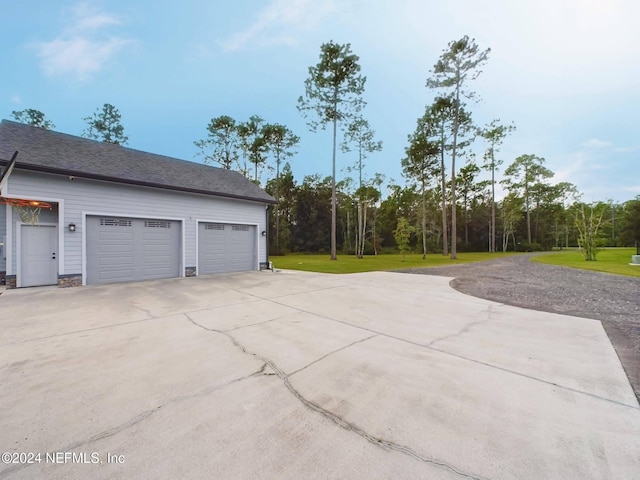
pixel 3 236
pixel 84 197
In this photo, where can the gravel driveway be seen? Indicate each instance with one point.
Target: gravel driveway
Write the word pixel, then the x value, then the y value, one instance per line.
pixel 613 299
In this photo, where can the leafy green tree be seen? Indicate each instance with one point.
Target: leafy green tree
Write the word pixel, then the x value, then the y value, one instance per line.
pixel 367 195
pixel 402 234
pixel 421 164
pixel 377 181
pixel 441 114
pixel 524 175
pixel 258 150
pixel 494 133
pixel 287 196
pixel 469 189
pixel 457 64
pixel 221 144
pixel 589 219
pixel 33 117
pixel 280 141
pixel 511 212
pixel 400 202
pixel 105 125
pixel 333 95
pixel 346 203
pixel 310 228
pixel 360 136
pixel 630 230
pixel 565 194
pixel 248 133
pixel 611 230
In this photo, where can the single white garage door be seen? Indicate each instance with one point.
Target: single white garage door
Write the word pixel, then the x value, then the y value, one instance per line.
pixel 128 249
pixel 224 247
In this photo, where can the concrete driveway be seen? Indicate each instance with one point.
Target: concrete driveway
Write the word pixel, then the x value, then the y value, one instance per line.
pixel 294 375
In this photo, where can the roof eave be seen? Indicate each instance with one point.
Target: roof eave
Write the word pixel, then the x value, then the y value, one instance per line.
pixel 73 173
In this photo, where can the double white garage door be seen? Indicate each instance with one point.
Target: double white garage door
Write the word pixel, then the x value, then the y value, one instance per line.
pixel 131 249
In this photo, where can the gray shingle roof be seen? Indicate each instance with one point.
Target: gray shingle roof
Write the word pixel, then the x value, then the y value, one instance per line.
pixel 54 152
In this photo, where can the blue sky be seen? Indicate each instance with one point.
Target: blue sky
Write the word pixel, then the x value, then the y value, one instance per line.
pixel 567 72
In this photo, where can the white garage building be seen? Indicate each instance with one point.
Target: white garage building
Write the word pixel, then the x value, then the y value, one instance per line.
pixel 120 214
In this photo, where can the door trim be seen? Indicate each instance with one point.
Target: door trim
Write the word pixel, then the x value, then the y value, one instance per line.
pixel 15 226
pixel 19 249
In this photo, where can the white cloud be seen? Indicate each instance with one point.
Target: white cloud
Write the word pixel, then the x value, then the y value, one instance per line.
pixel 279 23
pixel 576 165
pixel 87 20
pixel 596 143
pixel 15 98
pixel 82 49
pixel 633 148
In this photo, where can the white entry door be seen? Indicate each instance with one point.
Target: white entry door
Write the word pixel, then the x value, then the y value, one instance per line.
pixel 38 255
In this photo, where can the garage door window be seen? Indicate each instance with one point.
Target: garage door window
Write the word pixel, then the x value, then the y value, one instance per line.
pixel 157 224
pixel 214 226
pixel 241 228
pixel 115 222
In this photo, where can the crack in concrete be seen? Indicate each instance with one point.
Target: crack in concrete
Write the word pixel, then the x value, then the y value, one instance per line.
pixel 101 327
pixel 464 329
pixel 136 419
pixel 260 323
pixel 385 444
pixel 462 357
pixel 331 353
pixel 145 310
pixel 293 293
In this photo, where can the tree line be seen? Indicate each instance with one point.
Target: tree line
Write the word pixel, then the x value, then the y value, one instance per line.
pixel 556 217
pixel 442 206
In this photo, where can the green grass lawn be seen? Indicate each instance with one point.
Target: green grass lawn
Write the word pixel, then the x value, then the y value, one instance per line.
pixel 351 264
pixel 611 260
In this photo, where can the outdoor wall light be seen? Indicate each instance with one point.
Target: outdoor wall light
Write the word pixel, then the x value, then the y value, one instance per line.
pixel 264 233
pixel 72 227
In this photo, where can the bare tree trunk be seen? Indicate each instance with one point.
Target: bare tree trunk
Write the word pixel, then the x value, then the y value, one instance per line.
pixel 492 244
pixel 334 255
pixel 278 205
pixel 526 203
pixel 359 230
pixel 356 229
pixel 535 230
pixel 466 220
pixel 373 232
pixel 424 221
pixel 454 224
pixel 489 233
pixel 348 235
pixel 364 227
pixel 445 240
pixel 528 221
